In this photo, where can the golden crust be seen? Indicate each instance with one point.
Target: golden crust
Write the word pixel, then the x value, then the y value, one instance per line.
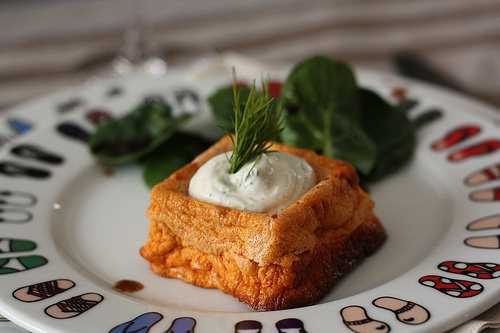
pixel 267 261
pixel 301 281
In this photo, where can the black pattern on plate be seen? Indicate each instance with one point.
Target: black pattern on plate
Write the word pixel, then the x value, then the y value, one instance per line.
pixel 14 169
pixel 73 131
pixel 248 325
pixel 114 91
pixel 74 306
pixel 43 290
pixel 34 152
pixel 188 101
pixel 69 105
pixel 17 198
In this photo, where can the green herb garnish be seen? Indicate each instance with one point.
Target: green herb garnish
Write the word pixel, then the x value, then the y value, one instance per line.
pixel 256 122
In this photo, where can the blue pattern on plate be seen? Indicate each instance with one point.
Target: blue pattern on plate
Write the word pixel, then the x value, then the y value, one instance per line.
pixel 19 126
pixel 140 324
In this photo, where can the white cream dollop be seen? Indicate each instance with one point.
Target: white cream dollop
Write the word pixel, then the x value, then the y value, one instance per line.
pixel 270 184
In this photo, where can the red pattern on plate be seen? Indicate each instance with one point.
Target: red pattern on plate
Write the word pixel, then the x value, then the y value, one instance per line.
pixel 274 88
pixel 477 270
pixel 452 287
pixel 483 148
pixel 488 174
pixel 486 195
pixel 97 117
pixel 456 136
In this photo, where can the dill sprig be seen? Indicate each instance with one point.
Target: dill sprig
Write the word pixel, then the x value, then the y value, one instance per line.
pixel 256 124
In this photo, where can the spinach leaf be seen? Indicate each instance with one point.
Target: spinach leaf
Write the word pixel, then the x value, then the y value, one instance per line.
pixel 320 84
pixel 170 156
pixel 323 113
pixel 221 103
pixel 141 131
pixel 391 130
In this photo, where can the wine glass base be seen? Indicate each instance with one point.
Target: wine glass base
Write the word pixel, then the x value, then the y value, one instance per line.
pixel 152 66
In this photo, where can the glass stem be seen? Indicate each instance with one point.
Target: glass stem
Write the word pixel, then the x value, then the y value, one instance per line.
pixel 135 47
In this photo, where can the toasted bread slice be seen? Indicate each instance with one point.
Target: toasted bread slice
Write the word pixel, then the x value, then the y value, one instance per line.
pixel 269 261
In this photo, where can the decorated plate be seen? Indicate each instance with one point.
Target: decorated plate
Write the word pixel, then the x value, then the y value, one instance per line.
pixel 69 232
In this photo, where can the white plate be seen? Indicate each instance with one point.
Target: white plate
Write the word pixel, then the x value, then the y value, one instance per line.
pixel 88 228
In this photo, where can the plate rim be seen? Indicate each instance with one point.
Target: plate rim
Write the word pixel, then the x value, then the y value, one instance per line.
pixel 484 107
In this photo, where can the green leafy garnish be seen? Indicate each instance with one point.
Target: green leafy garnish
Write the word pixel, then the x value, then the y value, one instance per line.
pixel 320 85
pixel 256 123
pixel 390 130
pixel 138 133
pixel 328 112
pixel 324 113
pixel 179 150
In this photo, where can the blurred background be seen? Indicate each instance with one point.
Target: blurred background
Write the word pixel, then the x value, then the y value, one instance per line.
pixel 49 44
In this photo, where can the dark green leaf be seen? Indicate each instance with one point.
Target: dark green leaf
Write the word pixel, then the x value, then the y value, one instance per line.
pixel 427 117
pixel 350 143
pixel 320 83
pixel 170 156
pixel 128 138
pixel 221 103
pixel 300 132
pixel 323 114
pixel 390 129
pixel 408 104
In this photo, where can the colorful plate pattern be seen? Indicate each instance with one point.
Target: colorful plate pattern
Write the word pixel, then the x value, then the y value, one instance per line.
pixel 46 289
